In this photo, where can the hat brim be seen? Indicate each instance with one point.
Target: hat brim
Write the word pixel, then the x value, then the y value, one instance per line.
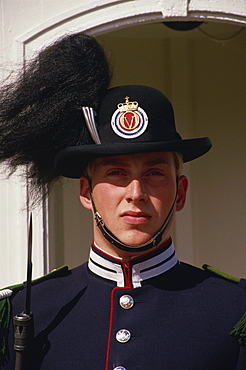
pixel 72 161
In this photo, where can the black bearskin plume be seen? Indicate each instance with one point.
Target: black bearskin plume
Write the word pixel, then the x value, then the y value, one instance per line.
pixel 40 113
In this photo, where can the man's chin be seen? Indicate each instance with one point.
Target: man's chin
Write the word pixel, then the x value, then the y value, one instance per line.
pixel 135 240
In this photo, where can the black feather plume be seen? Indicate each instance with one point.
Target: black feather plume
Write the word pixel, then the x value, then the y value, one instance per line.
pixel 40 113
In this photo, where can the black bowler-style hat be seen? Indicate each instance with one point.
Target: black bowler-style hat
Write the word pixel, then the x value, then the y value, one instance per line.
pixel 130 119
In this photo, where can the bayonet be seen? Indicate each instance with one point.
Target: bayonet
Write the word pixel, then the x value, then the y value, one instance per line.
pixel 23 322
pixel 27 309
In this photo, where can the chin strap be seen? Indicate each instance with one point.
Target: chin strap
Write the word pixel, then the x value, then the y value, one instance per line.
pixel 153 242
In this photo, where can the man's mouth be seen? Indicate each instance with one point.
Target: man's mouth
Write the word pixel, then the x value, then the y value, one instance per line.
pixel 135 218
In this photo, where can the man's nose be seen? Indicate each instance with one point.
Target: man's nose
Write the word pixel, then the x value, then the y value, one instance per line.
pixel 135 191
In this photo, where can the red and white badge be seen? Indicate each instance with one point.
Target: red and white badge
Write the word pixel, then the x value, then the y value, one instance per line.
pixel 129 120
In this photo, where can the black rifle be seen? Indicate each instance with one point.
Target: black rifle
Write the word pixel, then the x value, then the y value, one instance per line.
pixel 23 322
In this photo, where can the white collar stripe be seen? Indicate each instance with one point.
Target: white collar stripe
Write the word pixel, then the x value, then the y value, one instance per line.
pixel 146 269
pixel 100 271
pixel 159 259
pixel 159 264
pixel 159 270
pixel 103 267
pixel 106 269
pixel 103 261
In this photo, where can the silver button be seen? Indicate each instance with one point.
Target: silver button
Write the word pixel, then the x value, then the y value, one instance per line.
pixel 123 336
pixel 120 368
pixel 126 301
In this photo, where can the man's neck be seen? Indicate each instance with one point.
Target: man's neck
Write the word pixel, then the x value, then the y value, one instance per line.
pixel 125 256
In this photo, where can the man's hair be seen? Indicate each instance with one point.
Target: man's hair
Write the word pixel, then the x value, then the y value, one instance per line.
pixel 178 162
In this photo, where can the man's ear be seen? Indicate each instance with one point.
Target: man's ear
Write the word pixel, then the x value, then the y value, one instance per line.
pixel 182 190
pixel 85 196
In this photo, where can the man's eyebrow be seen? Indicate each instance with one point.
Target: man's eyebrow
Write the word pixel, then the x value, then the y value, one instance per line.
pixel 113 162
pixel 156 161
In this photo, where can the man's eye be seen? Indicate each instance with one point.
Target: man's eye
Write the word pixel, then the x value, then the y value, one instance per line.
pixel 156 173
pixel 115 173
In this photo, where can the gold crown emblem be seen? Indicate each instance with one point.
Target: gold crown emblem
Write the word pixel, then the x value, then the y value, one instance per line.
pixel 128 105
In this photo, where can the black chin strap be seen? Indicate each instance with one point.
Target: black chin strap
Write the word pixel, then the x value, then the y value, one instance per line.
pixel 153 242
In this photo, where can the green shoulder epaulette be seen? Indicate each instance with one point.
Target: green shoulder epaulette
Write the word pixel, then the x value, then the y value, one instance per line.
pixel 221 273
pixel 5 304
pixel 239 330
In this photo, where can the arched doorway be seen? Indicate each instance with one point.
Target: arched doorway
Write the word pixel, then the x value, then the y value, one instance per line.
pixel 202 73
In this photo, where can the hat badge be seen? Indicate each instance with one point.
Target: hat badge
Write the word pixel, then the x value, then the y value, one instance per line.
pixel 129 120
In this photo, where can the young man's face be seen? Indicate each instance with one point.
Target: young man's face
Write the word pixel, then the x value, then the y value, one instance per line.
pixel 134 194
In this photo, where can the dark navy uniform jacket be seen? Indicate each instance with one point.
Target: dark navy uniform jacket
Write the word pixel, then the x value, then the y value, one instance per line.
pixel 155 313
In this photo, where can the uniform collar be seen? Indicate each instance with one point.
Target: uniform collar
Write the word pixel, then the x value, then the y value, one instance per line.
pixel 137 269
